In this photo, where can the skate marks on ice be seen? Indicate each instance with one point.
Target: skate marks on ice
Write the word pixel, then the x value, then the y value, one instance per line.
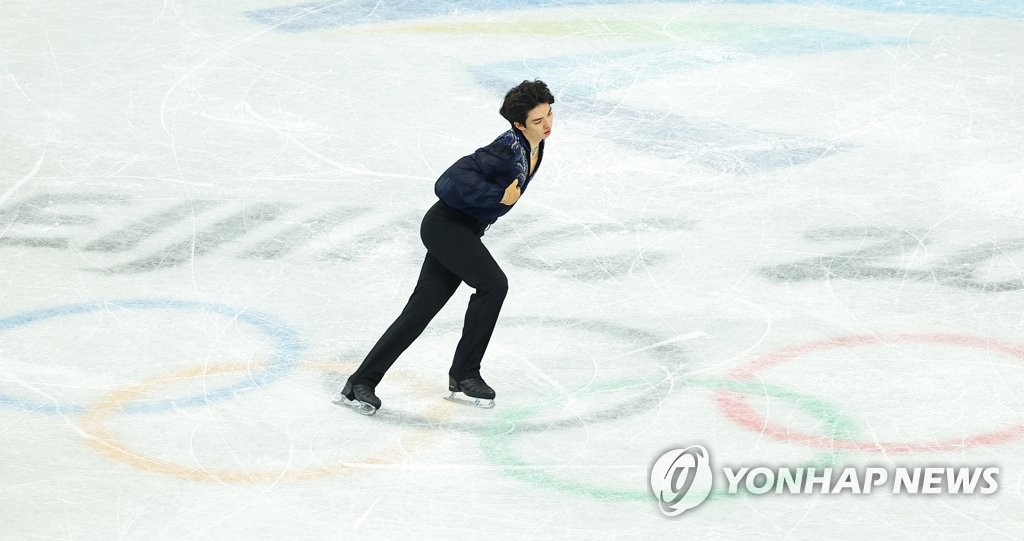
pixel 595 385
pixel 117 235
pixel 737 150
pixel 583 80
pixel 889 253
pixel 313 16
pixel 508 448
pixel 833 433
pixel 135 233
pixel 57 378
pixel 161 235
pixel 36 211
pixel 626 53
pixel 562 377
pixel 302 232
pixel 103 421
pixel 403 226
pixel 976 363
pixel 591 252
pixel 205 241
pixel 251 419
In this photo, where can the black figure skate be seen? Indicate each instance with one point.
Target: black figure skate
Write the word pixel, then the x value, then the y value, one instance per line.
pixel 472 391
pixel 359 397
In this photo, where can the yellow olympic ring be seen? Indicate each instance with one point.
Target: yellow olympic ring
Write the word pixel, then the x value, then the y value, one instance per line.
pixel 101 438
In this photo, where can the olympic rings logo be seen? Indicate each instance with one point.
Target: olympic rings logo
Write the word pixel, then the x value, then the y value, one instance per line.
pixel 737 409
pixel 498 433
pixel 102 437
pixel 287 345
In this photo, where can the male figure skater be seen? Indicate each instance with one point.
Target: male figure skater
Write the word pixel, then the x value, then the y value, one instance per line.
pixel 472 194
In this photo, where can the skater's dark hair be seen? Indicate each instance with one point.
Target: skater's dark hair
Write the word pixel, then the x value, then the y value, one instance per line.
pixel 519 101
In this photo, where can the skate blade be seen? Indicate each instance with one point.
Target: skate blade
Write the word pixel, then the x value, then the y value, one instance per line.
pixel 360 407
pixel 461 398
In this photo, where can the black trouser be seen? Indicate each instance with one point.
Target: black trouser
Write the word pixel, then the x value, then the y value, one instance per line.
pixel 455 254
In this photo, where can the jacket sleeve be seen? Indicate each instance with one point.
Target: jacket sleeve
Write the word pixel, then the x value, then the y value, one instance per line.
pixel 479 180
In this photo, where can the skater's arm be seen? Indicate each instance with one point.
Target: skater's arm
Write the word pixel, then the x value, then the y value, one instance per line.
pixel 481 179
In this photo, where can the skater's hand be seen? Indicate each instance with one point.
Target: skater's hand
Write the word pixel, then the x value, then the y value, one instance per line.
pixel 512 193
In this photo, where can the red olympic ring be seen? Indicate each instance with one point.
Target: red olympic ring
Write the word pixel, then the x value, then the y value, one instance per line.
pixel 737 409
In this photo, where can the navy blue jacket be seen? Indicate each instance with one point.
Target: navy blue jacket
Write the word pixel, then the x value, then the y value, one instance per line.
pixel 476 183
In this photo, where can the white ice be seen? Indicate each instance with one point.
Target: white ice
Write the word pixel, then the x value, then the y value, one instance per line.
pixel 209 213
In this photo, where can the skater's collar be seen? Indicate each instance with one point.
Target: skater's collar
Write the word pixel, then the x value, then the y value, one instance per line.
pixel 525 143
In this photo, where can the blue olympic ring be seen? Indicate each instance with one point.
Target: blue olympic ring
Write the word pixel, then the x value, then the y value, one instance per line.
pixel 287 343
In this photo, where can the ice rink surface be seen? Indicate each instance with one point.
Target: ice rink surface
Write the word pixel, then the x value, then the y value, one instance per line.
pixel 787 231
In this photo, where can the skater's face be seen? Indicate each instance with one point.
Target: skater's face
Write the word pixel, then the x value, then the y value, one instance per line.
pixel 538 123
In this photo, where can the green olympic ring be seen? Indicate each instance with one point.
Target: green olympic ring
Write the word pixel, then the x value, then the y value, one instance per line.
pixel 498 449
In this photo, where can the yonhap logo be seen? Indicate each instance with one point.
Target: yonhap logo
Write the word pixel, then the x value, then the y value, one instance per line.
pixel 681 479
